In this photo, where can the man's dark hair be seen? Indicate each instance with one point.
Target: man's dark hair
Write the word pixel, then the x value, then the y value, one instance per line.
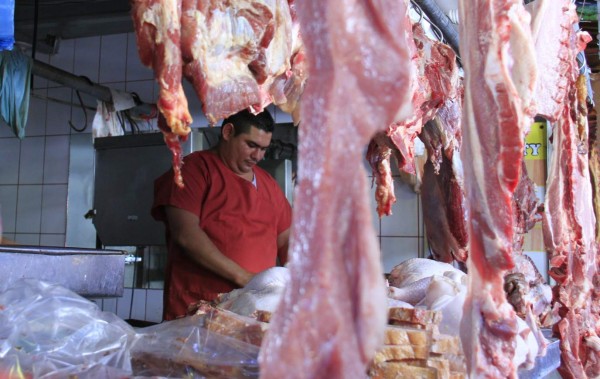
pixel 244 120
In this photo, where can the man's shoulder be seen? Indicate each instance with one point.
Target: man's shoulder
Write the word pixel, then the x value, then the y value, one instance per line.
pixel 200 156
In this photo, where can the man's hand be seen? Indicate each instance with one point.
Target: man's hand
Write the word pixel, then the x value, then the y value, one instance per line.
pixel 245 279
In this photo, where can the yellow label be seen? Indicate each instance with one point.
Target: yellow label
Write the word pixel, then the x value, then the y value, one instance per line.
pixel 535 142
pixel 535 162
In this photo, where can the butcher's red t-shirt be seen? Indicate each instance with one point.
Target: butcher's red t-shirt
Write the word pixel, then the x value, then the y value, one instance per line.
pixel 242 220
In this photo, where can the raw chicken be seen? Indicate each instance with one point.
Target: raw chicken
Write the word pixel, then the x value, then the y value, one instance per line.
pixel 262 293
pixel 439 286
pixel 431 284
pixel 447 295
pixel 415 269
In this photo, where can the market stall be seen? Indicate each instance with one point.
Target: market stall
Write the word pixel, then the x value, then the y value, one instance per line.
pixel 442 93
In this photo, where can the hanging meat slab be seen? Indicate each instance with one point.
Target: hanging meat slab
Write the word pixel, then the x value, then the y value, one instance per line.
pixel 233 51
pixel 499 82
pixel 551 25
pixel 442 189
pixel 158 32
pixel 435 81
pixel 568 220
pixel 569 226
pixel 332 316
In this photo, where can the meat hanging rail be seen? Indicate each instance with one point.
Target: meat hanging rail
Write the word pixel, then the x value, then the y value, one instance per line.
pixel 441 21
pixel 82 84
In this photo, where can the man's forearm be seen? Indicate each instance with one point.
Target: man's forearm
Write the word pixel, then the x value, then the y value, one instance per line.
pixel 204 252
pixel 198 246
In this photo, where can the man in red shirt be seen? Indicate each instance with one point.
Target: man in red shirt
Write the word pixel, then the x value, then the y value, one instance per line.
pixel 229 221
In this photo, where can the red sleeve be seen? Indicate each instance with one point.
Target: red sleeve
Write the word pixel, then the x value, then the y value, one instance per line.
pixel 189 198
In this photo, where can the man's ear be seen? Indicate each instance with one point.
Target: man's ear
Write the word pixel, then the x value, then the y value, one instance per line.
pixel 227 131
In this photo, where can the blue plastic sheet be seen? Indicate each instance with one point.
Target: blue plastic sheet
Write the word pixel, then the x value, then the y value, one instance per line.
pixel 15 81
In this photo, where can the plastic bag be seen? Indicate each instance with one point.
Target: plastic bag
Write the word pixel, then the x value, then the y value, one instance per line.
pixel 186 348
pixel 106 123
pixel 48 331
pixel 15 79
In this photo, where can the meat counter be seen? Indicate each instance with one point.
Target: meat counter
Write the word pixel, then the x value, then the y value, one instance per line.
pixel 87 272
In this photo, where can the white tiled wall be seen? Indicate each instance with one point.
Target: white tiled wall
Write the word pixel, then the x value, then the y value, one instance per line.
pixel 31 163
pixel 34 172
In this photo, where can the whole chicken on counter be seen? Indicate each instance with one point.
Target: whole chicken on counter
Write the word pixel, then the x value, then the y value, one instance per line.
pixel 262 293
pixel 434 285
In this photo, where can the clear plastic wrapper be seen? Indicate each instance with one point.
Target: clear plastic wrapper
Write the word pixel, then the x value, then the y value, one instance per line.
pixel 47 331
pixel 186 348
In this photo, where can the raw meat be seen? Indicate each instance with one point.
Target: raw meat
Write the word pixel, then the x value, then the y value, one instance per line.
pixel 499 83
pixel 437 80
pixel 569 221
pixel 551 25
pixel 173 142
pixel 394 303
pixel 444 213
pixel 442 189
pixel 158 32
pixel 217 64
pixel 227 54
pixel 285 89
pixel 411 293
pixel 296 80
pixel 527 209
pixel 236 54
pixel 530 297
pixel 527 347
pixel 525 288
pixel 594 138
pixel 332 316
pixel 569 225
pixel 293 83
pixel 379 155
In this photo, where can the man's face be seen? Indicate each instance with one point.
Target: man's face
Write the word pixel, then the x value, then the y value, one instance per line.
pixel 245 150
